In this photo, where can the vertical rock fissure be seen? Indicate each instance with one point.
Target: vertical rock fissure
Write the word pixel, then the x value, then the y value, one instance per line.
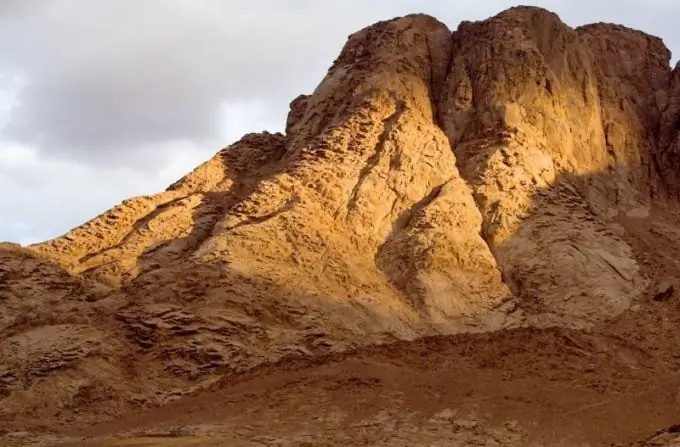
pixel 470 183
pixel 389 125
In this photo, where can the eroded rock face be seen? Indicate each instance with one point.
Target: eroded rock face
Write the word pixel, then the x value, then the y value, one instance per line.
pixel 556 129
pixel 667 157
pixel 434 181
pixel 49 348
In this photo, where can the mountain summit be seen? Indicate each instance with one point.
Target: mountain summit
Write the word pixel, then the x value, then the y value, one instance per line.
pixel 471 234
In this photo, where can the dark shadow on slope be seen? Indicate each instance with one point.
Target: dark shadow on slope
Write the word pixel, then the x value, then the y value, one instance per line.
pixel 577 249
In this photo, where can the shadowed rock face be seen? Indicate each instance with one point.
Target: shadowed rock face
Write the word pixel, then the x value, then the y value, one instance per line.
pixel 434 182
pixel 557 131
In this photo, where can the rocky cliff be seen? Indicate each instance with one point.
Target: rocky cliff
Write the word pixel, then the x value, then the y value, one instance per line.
pixel 514 173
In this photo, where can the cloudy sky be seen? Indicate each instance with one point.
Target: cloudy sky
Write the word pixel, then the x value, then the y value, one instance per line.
pixel 101 100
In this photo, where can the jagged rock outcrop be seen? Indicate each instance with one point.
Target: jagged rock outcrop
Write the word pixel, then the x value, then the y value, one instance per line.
pixel 353 206
pixel 46 322
pixel 555 129
pixel 434 182
pixel 667 157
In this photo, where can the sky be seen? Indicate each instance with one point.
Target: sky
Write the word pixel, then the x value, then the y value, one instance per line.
pixel 103 100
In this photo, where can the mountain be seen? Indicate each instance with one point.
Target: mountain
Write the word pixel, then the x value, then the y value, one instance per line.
pixel 463 237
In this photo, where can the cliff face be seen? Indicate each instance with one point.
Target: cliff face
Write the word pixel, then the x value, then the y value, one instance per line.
pixel 516 172
pixel 557 132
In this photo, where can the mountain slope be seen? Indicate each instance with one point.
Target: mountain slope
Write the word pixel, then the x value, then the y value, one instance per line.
pixel 514 173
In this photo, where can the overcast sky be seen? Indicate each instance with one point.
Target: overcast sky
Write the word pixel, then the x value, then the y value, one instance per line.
pixel 101 100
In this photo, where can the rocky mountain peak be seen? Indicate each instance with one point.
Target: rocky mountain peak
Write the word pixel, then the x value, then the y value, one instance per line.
pixel 513 179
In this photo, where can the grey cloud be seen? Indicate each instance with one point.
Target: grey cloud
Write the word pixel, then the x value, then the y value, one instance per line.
pixel 106 77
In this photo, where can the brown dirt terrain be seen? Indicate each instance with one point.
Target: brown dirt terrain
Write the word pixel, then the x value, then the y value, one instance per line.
pixel 523 387
pixel 463 238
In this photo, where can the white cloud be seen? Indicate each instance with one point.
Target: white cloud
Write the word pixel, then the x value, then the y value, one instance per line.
pixel 254 115
pixel 45 197
pixel 17 155
pixel 185 156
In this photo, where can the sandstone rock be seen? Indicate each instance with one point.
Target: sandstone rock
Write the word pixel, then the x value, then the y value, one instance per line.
pixel 664 290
